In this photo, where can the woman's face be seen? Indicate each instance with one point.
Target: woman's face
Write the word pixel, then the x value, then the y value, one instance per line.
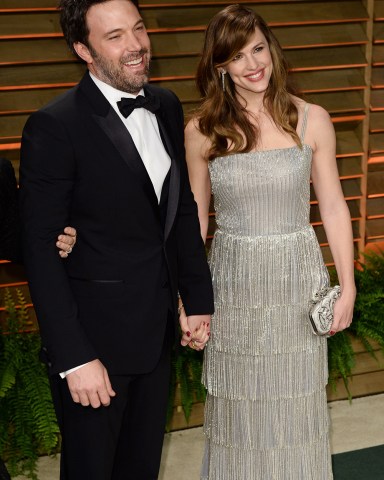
pixel 251 68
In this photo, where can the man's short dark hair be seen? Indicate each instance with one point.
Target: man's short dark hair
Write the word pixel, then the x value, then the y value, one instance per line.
pixel 73 20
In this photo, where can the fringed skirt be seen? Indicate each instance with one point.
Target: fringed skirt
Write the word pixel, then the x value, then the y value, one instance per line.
pixel 266 414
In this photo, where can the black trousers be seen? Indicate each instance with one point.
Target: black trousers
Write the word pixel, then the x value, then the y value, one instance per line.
pixel 4 475
pixel 124 440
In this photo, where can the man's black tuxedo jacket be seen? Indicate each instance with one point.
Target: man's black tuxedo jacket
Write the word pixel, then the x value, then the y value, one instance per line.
pixel 110 299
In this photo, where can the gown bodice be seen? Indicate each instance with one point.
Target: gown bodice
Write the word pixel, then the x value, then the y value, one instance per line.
pixel 262 192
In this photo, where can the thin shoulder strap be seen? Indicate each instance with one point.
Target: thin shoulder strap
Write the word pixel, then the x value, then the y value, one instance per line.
pixel 304 123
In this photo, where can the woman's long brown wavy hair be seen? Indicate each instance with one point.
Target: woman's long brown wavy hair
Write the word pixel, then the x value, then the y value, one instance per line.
pixel 220 116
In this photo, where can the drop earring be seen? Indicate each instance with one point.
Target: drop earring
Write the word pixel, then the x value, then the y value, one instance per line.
pixel 223 79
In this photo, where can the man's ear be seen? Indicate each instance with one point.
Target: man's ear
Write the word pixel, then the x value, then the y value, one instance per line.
pixel 83 52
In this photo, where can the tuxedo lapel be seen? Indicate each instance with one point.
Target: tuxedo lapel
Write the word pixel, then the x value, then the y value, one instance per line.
pixel 174 180
pixel 112 126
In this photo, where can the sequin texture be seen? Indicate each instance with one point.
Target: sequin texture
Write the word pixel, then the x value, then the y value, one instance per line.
pixel 266 414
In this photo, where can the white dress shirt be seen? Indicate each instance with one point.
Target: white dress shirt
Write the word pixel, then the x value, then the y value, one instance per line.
pixel 145 133
pixel 144 130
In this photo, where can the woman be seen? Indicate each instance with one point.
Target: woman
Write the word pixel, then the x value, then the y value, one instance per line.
pixel 256 145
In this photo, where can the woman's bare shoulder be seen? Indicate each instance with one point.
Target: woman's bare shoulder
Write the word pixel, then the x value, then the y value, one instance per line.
pixel 316 113
pixel 196 142
pixel 193 132
pixel 316 110
pixel 192 126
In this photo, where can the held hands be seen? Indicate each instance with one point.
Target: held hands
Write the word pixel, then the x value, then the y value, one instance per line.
pixel 66 241
pixel 343 311
pixel 90 385
pixel 195 330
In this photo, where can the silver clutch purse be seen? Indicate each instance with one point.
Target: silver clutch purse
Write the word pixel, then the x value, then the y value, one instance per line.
pixel 321 309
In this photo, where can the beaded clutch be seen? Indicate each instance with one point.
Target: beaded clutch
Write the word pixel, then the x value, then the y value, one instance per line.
pixel 321 309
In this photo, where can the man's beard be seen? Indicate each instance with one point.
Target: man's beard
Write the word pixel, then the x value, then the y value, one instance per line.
pixel 118 76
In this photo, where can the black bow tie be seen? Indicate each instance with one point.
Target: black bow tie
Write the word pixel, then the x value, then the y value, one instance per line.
pixel 127 105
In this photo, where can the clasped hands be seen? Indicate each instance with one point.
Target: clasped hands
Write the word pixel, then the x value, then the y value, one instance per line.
pixel 195 330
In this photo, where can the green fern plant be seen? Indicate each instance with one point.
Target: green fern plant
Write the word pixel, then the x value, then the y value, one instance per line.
pixel 187 365
pixel 28 425
pixel 368 319
pixel 341 360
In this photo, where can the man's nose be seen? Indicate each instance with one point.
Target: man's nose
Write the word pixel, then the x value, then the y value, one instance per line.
pixel 132 43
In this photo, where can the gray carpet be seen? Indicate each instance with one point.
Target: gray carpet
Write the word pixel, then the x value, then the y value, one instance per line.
pixel 365 464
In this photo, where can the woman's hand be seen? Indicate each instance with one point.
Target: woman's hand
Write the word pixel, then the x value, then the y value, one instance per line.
pixel 343 311
pixel 200 337
pixel 66 241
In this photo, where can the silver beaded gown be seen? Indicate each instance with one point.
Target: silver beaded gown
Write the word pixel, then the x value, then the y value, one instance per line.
pixel 266 414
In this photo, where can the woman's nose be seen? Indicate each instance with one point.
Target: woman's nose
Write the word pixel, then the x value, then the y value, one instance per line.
pixel 252 62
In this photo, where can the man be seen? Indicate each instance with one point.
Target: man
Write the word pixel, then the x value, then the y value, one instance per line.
pixel 107 313
pixel 9 213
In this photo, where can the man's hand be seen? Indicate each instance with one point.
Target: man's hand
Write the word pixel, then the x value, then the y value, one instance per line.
pixel 65 242
pixel 90 385
pixel 196 330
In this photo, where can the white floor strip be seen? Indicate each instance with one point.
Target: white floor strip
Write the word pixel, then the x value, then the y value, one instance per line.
pixel 357 425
